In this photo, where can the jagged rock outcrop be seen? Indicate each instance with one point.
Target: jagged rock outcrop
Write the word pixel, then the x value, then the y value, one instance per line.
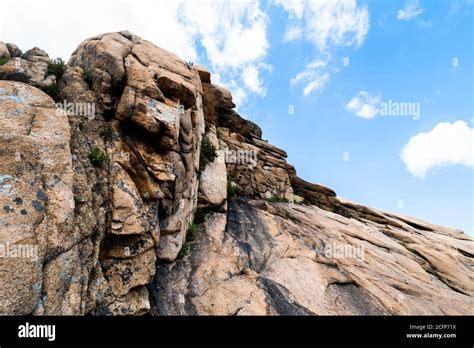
pixel 138 200
pixel 30 67
pixel 144 191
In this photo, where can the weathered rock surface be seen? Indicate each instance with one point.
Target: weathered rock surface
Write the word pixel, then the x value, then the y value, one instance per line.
pixel 30 67
pixel 147 123
pixel 278 258
pixel 4 51
pixel 37 203
pixel 109 193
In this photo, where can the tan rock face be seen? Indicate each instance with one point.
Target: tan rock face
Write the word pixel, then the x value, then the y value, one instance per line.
pixel 255 167
pixel 30 67
pixel 279 258
pixel 156 130
pixel 213 182
pixel 4 52
pixel 97 210
pixel 35 195
pixel 213 179
pixel 147 128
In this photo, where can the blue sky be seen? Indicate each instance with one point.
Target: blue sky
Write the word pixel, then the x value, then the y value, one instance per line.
pixel 408 61
pixel 278 54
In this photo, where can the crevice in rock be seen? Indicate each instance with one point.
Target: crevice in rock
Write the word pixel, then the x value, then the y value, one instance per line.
pixel 277 298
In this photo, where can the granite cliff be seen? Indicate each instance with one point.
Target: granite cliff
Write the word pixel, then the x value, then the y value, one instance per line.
pixel 130 185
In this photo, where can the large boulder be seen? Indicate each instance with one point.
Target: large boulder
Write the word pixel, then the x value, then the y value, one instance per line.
pixel 4 52
pixel 30 68
pixel 213 182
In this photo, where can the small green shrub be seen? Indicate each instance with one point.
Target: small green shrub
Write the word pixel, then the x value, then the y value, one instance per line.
pixel 199 216
pixel 230 189
pixel 208 153
pixel 278 199
pixel 57 67
pixel 98 157
pixel 79 199
pixel 192 232
pixel 52 90
pixel 88 77
pixel 4 60
pixel 184 250
pixel 106 133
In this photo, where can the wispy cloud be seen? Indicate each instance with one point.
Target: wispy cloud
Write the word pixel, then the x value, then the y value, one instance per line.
pixel 252 80
pixel 411 10
pixel 233 34
pixel 364 105
pixel 327 24
pixel 234 37
pixel 446 144
pixel 314 76
pixel 459 6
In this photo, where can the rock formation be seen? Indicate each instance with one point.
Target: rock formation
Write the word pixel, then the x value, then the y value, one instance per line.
pixel 164 200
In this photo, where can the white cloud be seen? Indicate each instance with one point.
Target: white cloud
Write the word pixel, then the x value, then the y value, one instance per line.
pixel 446 144
pixel 459 6
pixel 410 11
pixel 364 105
pixel 316 84
pixel 252 80
pixel 315 76
pixel 327 24
pixel 293 32
pixel 295 8
pixel 239 95
pixel 233 34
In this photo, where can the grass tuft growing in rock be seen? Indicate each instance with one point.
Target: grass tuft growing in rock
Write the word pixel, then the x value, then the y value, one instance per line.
pixel 192 232
pixel 106 133
pixel 98 157
pixel 52 90
pixel 79 199
pixel 57 67
pixel 208 153
pixel 230 189
pixel 199 216
pixel 277 199
pixel 4 60
pixel 184 250
pixel 88 77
